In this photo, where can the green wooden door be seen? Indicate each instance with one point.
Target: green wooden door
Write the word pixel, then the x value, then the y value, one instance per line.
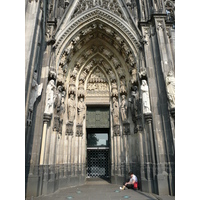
pixel 98 117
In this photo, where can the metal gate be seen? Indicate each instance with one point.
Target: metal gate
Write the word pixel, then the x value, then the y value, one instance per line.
pixel 98 163
pixel 98 153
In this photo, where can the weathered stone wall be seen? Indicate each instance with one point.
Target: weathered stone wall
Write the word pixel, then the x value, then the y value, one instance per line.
pixel 117 54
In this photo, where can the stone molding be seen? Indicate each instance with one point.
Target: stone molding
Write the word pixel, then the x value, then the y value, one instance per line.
pixel 148 117
pixel 47 117
pixel 99 14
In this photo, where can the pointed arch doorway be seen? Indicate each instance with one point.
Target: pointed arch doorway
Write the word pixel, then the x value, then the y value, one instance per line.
pixel 98 142
pixel 98 135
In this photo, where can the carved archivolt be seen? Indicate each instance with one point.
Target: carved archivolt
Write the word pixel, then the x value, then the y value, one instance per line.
pixel 131 33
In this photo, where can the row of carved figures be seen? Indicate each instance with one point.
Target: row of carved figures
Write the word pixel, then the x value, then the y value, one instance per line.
pixel 56 99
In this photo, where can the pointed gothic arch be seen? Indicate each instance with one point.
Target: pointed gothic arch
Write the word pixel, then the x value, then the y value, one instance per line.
pixel 125 41
pixel 130 34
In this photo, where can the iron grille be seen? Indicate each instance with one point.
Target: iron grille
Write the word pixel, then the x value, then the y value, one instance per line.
pixel 98 163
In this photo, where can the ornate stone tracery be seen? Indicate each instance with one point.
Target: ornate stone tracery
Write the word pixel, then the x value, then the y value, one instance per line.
pixel 112 6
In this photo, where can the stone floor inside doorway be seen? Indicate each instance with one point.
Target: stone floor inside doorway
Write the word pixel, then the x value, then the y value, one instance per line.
pixel 99 189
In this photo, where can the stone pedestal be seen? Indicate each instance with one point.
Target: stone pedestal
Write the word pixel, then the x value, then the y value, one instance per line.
pixel 116 130
pixel 69 128
pixel 162 183
pixel 56 123
pixel 126 128
pixel 32 186
pixel 79 130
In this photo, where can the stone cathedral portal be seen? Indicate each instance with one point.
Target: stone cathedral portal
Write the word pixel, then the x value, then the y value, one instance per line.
pixel 100 94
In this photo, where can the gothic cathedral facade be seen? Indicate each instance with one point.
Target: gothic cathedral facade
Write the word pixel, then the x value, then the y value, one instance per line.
pixel 99 93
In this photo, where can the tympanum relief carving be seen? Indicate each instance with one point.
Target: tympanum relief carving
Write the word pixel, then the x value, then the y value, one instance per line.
pixel 97 84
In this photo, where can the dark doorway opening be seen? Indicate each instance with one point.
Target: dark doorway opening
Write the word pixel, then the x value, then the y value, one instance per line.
pixel 98 153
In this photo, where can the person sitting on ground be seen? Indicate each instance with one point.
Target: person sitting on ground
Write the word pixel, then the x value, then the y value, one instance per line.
pixel 130 184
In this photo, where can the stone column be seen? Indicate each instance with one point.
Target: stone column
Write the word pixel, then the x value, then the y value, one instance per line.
pixel 125 149
pixel 69 155
pixel 148 174
pixel 142 171
pixel 32 29
pixel 112 153
pixel 115 155
pixel 46 119
pixel 116 130
pixel 148 118
pixel 118 155
pixel 172 112
pixel 27 134
pixel 142 10
pixel 52 147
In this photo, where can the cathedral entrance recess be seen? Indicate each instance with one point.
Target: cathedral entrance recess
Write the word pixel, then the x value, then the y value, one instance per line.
pixel 98 141
pixel 98 153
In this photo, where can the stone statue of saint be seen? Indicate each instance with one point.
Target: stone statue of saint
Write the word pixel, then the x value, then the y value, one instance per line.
pixel 115 112
pixel 71 108
pixel 49 97
pixel 143 72
pixel 81 109
pixel 124 107
pixel 145 97
pixel 114 89
pixel 134 76
pixel 58 100
pixel 170 85
pixel 122 86
pixel 36 91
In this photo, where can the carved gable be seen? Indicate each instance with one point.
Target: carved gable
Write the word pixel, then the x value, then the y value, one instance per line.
pixel 113 6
